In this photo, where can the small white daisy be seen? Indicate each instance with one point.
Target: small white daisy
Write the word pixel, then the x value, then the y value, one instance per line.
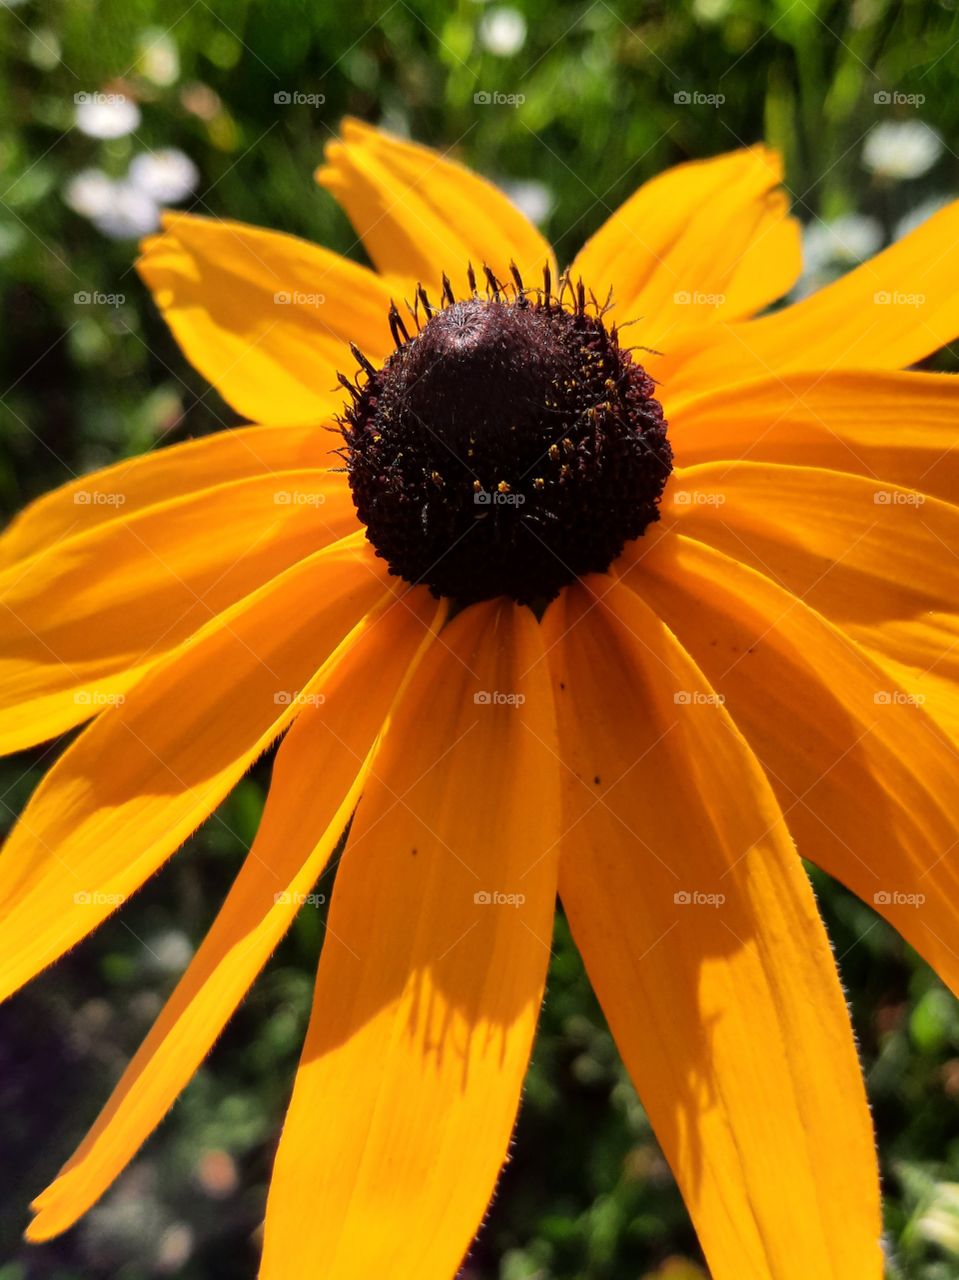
pixel 167 175
pixel 89 192
pixel 533 198
pixel 503 31
pixel 132 213
pixel 901 149
pixel 846 240
pixel 106 115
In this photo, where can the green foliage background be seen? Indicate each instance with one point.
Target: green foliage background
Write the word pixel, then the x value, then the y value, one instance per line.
pixel 587 1193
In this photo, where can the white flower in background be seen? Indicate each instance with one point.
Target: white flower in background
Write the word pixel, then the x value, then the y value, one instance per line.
pixel 166 175
pixel 534 198
pixel 503 31
pixel 901 149
pixel 916 217
pixel 131 214
pixel 128 208
pixel 106 115
pixel 159 58
pixel 89 192
pixel 845 241
pixel 118 209
pixel 168 952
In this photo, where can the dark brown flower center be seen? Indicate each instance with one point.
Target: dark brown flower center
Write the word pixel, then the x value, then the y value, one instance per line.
pixel 507 447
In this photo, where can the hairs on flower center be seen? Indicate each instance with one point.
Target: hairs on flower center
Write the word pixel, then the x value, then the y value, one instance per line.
pixel 508 446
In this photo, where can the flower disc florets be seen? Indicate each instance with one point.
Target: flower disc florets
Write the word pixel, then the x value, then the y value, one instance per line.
pixel 507 447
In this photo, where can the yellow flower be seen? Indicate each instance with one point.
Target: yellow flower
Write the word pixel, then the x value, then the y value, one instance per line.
pixel 768 671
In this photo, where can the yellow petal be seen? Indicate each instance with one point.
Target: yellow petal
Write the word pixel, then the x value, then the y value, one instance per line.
pixel 265 317
pixel 420 214
pixel 427 994
pixel 701 938
pixel 146 773
pixel 770 265
pixel 702 242
pixel 878 560
pixel 319 773
pixel 864 779
pixel 116 492
pixel 937 694
pixel 888 313
pixel 82 621
pixel 899 427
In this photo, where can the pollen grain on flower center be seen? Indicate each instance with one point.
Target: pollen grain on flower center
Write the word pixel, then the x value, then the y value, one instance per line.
pixel 508 446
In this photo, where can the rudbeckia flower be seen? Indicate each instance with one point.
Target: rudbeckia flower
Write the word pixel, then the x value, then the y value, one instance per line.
pixel 587 582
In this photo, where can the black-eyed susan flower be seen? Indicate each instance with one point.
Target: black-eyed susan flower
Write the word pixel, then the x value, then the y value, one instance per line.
pixel 521 636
